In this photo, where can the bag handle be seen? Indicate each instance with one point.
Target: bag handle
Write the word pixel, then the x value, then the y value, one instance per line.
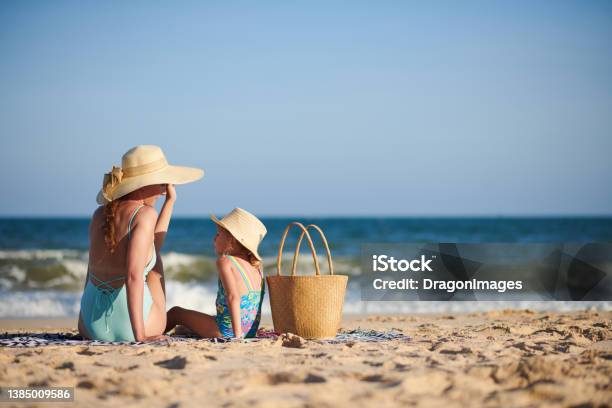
pixel 299 242
pixel 282 244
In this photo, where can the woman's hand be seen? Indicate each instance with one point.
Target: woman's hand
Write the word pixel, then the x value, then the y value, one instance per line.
pixel 170 192
pixel 150 339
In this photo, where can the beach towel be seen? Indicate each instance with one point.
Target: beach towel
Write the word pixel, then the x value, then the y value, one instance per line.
pixel 72 339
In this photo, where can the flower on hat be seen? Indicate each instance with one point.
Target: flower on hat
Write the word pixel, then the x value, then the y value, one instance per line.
pixel 110 182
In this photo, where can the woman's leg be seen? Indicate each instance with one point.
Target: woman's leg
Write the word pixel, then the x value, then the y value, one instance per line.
pixel 200 323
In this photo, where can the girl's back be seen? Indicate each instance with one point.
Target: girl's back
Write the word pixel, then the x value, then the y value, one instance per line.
pixel 253 275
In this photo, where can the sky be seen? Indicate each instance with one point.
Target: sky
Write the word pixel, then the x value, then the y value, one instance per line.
pixel 313 108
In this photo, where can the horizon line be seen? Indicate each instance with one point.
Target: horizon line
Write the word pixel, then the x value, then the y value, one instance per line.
pixel 373 215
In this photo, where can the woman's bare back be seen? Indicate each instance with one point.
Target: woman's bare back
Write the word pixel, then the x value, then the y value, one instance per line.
pixel 102 263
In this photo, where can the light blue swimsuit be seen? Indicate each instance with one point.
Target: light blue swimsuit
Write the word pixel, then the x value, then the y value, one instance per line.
pixel 104 309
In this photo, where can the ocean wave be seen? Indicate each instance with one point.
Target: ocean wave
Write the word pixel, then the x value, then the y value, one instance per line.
pixel 42 269
pixel 48 283
pixel 39 303
pixel 66 269
pixel 201 297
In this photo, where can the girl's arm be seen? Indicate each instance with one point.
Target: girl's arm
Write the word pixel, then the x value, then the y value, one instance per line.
pixel 163 221
pixel 232 293
pixel 138 248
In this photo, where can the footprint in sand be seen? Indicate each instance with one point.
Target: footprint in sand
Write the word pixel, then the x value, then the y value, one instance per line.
pixel 382 380
pixel 444 346
pixel 39 383
pixel 67 365
pixel 87 352
pixel 454 350
pixel 528 347
pixel 175 363
pixel 86 384
pixel 373 363
pixel 124 369
pixel 290 378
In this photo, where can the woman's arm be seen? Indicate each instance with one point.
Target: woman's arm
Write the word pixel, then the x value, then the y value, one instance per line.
pixel 80 325
pixel 161 228
pixel 90 232
pixel 159 269
pixel 232 293
pixel 163 221
pixel 138 249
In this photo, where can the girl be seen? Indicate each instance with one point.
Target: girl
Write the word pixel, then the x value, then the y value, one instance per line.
pixel 241 284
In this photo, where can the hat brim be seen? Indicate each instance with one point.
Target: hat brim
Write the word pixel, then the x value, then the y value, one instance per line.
pixel 167 175
pixel 221 224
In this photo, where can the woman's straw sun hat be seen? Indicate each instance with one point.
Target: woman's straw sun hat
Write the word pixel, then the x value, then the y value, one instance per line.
pixel 245 227
pixel 142 166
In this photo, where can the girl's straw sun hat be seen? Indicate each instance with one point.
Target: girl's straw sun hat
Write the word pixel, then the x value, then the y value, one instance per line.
pixel 245 227
pixel 142 166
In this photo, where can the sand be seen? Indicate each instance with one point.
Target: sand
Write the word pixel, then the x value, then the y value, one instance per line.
pixel 504 358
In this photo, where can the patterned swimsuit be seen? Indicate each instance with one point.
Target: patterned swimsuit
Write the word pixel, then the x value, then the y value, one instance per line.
pixel 250 306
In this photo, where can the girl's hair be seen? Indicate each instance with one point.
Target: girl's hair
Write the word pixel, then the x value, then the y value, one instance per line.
pixel 237 245
pixel 253 260
pixel 109 225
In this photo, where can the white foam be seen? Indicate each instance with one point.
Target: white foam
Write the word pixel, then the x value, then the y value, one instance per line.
pixel 36 254
pixel 201 297
pixel 174 259
pixel 16 273
pixel 76 267
pixel 47 303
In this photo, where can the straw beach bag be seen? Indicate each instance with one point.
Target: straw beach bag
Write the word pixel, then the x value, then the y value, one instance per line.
pixel 309 306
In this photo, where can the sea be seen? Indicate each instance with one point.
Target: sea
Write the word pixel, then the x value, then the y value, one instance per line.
pixel 43 261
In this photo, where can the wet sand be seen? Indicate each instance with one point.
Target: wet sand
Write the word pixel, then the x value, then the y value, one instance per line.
pixel 505 358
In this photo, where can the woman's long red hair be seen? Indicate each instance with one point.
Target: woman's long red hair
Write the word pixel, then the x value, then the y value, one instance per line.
pixel 110 210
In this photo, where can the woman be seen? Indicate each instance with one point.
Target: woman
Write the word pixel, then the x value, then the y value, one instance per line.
pixel 124 295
